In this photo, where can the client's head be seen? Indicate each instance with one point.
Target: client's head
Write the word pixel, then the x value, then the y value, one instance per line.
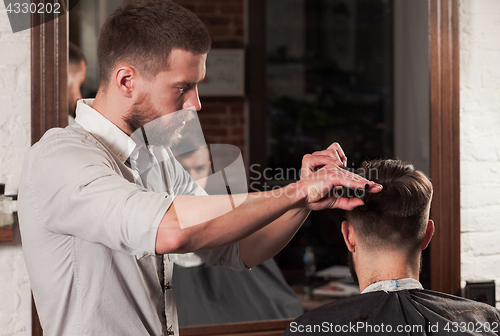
pixel 386 236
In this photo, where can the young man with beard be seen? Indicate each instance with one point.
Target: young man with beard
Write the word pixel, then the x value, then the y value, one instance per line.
pixel 100 202
pixel 385 239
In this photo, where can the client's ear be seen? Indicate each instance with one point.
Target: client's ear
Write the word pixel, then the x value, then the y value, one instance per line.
pixel 349 236
pixel 428 234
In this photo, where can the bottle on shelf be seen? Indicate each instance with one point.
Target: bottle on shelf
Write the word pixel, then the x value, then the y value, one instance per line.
pixel 6 208
pixel 309 271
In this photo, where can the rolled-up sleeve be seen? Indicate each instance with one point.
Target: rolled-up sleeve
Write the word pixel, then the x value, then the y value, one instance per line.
pixel 81 194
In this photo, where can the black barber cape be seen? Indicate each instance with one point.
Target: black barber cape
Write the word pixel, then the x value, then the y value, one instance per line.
pixel 406 312
pixel 214 295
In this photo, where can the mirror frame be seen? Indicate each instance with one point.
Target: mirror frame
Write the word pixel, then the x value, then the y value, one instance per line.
pixel 49 108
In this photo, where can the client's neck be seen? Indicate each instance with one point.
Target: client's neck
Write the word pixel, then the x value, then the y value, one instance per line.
pixel 382 265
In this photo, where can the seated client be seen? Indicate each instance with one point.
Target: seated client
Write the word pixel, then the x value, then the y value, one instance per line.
pixel 385 239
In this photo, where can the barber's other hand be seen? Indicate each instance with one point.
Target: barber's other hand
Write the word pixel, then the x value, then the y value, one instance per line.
pixel 312 162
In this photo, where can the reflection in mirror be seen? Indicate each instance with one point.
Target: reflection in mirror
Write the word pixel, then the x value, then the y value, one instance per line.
pixel 347 71
pixel 353 72
pixel 85 21
pixel 216 295
pixel 329 79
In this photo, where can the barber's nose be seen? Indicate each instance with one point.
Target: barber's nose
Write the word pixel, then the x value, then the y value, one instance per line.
pixel 193 100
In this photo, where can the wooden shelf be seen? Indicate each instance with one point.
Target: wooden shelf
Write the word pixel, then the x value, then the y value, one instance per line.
pixel 6 234
pixel 256 328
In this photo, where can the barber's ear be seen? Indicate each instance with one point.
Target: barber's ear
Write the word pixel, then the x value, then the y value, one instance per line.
pixel 125 78
pixel 429 232
pixel 349 236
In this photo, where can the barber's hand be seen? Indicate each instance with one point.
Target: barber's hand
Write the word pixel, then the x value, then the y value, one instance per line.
pixel 321 174
pixel 318 189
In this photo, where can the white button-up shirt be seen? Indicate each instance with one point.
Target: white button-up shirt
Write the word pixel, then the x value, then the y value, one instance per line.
pixel 88 227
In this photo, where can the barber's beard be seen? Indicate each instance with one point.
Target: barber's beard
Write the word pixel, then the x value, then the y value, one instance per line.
pixel 352 267
pixel 156 130
pixel 140 113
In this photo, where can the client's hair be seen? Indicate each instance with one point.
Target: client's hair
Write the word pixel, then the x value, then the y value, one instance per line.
pixel 144 33
pixel 397 216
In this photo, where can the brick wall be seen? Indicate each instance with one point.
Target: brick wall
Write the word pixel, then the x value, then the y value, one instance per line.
pixel 222 119
pixel 15 295
pixel 223 18
pixel 480 139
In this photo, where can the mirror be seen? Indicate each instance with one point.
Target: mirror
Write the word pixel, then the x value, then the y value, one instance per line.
pixel 443 27
pixel 353 72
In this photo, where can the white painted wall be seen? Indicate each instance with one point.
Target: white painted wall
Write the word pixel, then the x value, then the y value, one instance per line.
pixel 15 294
pixel 480 140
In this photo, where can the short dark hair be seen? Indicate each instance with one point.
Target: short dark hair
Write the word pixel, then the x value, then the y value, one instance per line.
pixel 145 32
pixel 397 216
pixel 75 55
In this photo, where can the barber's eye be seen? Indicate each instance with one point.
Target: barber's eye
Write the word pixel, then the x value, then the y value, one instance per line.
pixel 185 88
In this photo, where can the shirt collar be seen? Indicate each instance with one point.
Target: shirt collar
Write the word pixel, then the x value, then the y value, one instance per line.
pixel 104 130
pixel 393 285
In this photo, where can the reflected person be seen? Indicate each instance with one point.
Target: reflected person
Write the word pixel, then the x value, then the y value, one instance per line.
pixel 221 294
pixel 77 69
